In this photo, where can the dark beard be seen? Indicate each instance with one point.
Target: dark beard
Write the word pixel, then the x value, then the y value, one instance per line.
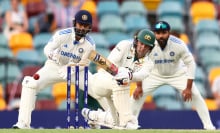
pixel 162 42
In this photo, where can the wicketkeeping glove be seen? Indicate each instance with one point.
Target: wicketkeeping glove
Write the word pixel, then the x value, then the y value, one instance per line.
pixel 63 71
pixel 54 56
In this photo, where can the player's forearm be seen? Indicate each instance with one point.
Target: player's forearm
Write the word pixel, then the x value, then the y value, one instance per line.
pixel 189 83
pixel 139 84
pixel 50 48
pixel 140 75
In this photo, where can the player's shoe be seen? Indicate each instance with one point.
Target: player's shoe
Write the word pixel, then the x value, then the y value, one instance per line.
pixel 211 127
pixel 20 125
pixel 93 125
pixel 131 126
pixel 91 122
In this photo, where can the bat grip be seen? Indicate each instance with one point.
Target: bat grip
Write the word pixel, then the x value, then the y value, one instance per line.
pixel 113 69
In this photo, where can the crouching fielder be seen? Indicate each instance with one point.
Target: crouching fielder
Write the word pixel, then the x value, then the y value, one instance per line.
pixel 67 46
pixel 123 55
pixel 168 56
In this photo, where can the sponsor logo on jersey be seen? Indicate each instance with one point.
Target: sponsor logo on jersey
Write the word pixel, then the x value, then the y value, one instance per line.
pixel 155 54
pixel 164 61
pixel 70 55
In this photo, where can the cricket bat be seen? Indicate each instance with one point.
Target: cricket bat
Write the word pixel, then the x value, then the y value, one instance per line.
pixel 103 62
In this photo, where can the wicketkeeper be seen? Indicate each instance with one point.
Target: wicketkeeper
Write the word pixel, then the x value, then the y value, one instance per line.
pixel 67 46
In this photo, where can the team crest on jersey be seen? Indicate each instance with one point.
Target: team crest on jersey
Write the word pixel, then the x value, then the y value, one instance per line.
pixel 172 53
pixel 81 50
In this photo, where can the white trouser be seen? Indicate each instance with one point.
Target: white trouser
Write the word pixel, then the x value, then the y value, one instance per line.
pixel 179 82
pixel 117 96
pixel 48 76
pixel 104 118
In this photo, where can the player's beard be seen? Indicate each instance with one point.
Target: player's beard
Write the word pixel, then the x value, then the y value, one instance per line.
pixel 162 42
pixel 81 32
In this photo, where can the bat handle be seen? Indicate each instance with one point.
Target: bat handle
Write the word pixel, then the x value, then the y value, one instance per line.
pixel 113 69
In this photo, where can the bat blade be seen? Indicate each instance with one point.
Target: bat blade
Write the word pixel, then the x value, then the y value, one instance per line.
pixel 103 62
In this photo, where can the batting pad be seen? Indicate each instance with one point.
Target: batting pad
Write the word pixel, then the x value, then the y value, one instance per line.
pixel 122 104
pixel 27 105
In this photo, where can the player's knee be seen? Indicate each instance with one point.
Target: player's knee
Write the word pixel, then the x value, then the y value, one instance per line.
pixel 29 82
pixel 102 92
pixel 101 87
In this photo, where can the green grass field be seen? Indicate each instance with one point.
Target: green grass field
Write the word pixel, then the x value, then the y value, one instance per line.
pixel 103 131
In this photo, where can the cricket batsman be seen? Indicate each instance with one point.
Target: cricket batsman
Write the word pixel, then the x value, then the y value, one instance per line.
pixel 168 56
pixel 116 92
pixel 67 46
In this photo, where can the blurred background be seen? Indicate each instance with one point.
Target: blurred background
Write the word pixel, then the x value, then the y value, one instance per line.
pixel 27 25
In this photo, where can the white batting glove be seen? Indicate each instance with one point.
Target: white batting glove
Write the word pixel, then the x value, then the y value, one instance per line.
pixel 123 76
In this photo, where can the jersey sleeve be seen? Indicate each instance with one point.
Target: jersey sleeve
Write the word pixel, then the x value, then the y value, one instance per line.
pixel 189 61
pixel 144 71
pixel 52 44
pixel 117 53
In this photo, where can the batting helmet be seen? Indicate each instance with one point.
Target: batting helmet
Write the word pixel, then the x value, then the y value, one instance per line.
pixel 161 25
pixel 147 37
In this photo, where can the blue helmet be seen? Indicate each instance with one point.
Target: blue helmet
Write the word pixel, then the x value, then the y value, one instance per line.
pixel 82 17
pixel 161 25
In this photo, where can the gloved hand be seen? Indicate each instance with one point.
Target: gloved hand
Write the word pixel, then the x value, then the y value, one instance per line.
pixel 84 62
pixel 53 56
pixel 63 71
pixel 123 76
